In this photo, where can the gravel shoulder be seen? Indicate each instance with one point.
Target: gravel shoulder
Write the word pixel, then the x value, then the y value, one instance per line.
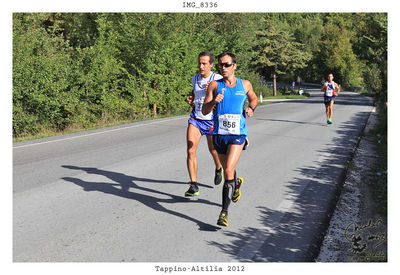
pixel 356 232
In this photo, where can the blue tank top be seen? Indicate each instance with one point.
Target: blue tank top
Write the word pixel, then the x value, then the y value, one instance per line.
pixel 229 115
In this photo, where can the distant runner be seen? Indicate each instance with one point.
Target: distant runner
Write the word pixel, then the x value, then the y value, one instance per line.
pixel 331 89
pixel 228 96
pixel 199 124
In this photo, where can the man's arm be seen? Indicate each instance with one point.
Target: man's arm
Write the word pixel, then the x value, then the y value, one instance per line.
pixel 251 95
pixel 190 98
pixel 210 101
pixel 338 88
pixel 323 89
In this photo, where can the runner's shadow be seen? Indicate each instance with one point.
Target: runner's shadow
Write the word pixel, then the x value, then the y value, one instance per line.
pixel 124 183
pixel 123 179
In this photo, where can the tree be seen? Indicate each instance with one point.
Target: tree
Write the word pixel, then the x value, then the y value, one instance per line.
pixel 43 75
pixel 89 68
pixel 336 52
pixel 158 53
pixel 277 53
pixel 370 45
pixel 307 29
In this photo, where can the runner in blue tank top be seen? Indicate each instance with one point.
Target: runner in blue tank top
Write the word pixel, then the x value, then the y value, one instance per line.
pixel 227 98
pixel 199 124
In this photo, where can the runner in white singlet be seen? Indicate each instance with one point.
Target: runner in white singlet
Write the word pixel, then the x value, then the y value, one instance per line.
pixel 331 89
pixel 200 124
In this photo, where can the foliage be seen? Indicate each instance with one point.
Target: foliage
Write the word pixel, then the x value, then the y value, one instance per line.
pixel 277 52
pixel 88 69
pixel 370 44
pixel 43 76
pixel 336 53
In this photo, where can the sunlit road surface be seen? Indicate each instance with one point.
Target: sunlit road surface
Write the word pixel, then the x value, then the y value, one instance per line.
pixel 117 194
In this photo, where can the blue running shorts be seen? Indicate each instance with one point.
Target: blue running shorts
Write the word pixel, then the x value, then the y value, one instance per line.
pixel 328 99
pixel 221 142
pixel 205 127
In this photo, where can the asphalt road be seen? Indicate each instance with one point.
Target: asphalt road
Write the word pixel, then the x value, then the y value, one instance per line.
pixel 117 194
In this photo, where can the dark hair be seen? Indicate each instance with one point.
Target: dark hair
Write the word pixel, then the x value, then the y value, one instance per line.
pixel 209 54
pixel 227 53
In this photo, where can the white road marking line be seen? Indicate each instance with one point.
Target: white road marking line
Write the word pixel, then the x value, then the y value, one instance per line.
pixel 102 132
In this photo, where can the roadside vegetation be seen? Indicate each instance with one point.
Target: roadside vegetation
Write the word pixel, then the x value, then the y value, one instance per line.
pixel 76 71
pixel 378 182
pixel 45 132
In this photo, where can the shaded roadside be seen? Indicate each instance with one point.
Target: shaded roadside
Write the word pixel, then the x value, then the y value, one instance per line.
pixel 358 230
pixel 296 234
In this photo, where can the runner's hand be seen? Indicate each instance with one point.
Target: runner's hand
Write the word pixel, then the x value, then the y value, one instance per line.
pixel 219 97
pixel 189 99
pixel 249 112
pixel 206 86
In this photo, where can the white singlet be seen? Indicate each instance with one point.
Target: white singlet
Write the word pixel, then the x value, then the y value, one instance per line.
pixel 199 85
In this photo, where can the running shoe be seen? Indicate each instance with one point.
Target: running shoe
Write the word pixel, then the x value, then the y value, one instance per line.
pixel 192 191
pixel 219 176
pixel 223 218
pixel 237 194
pixel 329 121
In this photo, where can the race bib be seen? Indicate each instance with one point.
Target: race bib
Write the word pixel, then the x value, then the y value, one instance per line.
pixel 229 124
pixel 330 90
pixel 198 104
pixel 329 93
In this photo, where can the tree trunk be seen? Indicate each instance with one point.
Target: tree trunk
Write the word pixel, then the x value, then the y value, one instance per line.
pixel 144 110
pixel 274 77
pixel 155 104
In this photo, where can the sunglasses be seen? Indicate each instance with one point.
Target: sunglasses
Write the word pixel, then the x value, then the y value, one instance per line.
pixel 226 65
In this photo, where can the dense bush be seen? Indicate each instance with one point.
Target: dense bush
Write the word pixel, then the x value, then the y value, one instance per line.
pixel 83 70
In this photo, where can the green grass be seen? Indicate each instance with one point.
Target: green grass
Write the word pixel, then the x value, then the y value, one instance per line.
pixel 286 97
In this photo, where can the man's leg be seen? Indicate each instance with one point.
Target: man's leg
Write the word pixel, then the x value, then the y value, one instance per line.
pixel 213 152
pixel 193 138
pixel 331 109
pixel 235 151
pixel 218 167
pixel 327 111
pixel 232 158
pixel 223 216
pixel 229 162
